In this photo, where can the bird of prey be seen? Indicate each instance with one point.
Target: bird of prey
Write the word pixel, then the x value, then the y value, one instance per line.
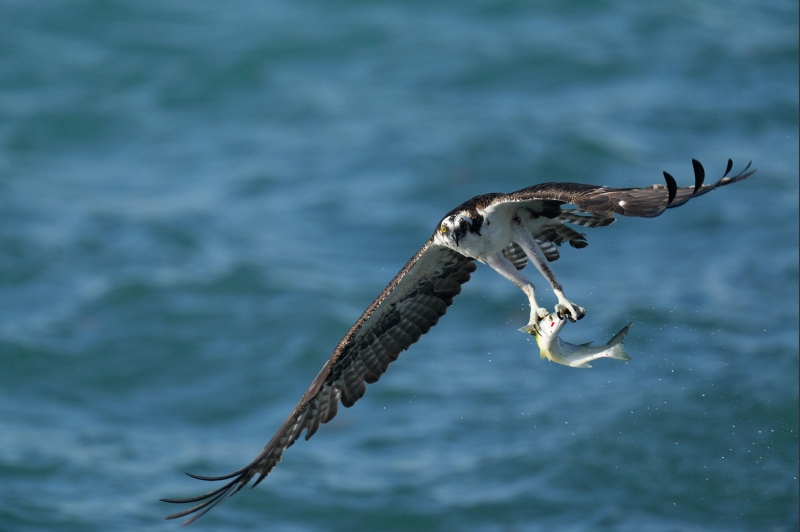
pixel 505 231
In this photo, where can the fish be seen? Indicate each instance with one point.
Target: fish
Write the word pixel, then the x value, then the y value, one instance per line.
pixel 557 350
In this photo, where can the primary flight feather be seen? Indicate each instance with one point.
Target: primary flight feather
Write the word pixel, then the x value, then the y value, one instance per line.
pixel 505 231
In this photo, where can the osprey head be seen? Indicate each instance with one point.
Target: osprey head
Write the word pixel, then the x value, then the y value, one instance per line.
pixel 456 227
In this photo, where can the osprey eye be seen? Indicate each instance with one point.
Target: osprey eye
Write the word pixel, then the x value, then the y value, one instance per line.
pixel 444 230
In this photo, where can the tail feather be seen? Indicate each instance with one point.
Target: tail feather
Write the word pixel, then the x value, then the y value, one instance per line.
pixel 617 344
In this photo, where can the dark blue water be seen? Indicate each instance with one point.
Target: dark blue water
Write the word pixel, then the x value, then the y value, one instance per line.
pixel 197 200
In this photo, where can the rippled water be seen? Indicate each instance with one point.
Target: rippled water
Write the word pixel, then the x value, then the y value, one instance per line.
pixel 197 199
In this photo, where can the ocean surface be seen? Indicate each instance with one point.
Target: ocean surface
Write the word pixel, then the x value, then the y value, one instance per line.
pixel 198 199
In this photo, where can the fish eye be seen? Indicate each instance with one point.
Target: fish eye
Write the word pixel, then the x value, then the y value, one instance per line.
pixel 462 225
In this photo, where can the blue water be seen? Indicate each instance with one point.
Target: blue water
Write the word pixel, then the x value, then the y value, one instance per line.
pixel 197 199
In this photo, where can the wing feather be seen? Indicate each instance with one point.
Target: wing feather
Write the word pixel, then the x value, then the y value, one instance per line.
pixel 565 233
pixel 568 215
pixel 547 246
pixel 604 202
pixel 407 308
pixel 597 206
pixel 515 254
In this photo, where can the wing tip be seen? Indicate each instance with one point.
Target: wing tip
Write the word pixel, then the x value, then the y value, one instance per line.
pixel 699 175
pixel 672 188
pixel 206 501
pixel 699 187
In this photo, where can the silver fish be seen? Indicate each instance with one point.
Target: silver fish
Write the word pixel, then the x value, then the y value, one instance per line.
pixel 577 356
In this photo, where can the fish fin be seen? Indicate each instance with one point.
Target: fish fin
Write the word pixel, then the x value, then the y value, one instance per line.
pixel 617 349
pixel 584 365
pixel 587 344
pixel 618 353
pixel 620 336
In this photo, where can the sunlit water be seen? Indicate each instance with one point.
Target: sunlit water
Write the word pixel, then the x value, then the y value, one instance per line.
pixel 198 199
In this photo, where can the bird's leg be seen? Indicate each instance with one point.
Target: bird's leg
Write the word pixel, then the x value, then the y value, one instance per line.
pixel 505 267
pixel 528 244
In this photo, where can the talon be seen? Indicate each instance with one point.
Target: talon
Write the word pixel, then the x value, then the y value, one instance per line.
pixel 570 310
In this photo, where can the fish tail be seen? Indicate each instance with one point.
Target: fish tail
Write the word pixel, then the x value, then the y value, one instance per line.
pixel 616 344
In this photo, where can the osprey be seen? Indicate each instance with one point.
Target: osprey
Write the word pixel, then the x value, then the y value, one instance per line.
pixel 505 231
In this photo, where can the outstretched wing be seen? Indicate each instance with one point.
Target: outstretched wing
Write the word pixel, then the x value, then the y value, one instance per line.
pixel 406 309
pixel 596 205
pixel 604 202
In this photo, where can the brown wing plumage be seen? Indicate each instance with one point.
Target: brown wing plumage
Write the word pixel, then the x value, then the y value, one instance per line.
pixel 604 202
pixel 597 205
pixel 406 309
